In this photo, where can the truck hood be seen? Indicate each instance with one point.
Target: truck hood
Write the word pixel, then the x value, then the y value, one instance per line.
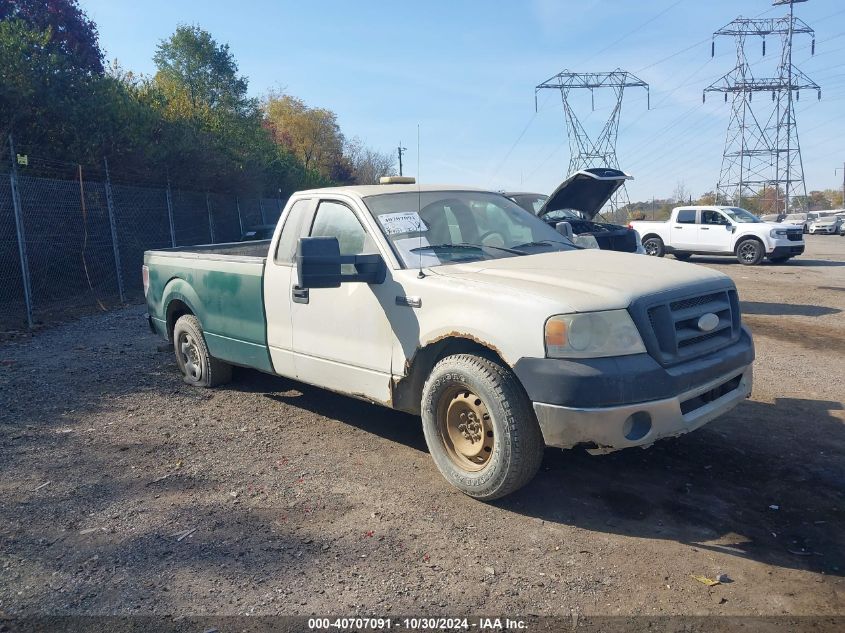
pixel 583 280
pixel 586 191
pixel 777 225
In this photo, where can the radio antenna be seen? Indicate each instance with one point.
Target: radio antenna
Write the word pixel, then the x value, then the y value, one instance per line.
pixel 420 274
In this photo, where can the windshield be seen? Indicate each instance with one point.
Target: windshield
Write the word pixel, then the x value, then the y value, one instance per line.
pixel 740 215
pixel 460 226
pixel 531 202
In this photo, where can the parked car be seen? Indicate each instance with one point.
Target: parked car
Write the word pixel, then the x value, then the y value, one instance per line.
pixel 714 230
pixel 457 305
pixel 257 233
pixel 577 201
pixel 772 217
pixel 825 225
pixel 797 219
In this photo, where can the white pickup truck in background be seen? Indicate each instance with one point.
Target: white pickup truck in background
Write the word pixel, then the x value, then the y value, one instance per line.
pixel 712 230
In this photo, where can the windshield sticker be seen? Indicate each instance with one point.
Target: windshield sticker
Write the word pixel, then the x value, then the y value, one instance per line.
pixel 418 257
pixel 399 223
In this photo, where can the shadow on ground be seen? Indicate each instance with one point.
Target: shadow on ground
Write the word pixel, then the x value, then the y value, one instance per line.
pixel 791 309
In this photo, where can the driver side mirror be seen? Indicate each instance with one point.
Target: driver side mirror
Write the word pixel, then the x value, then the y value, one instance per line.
pixel 319 264
pixel 565 229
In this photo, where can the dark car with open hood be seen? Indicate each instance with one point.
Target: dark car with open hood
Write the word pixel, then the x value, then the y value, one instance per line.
pixel 577 201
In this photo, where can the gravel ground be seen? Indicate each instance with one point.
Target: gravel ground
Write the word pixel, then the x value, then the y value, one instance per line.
pixel 124 491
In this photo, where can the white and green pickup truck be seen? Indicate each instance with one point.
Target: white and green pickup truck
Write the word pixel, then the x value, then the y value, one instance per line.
pixel 457 305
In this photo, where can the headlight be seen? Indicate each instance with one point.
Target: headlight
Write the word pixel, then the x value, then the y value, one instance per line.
pixel 592 334
pixel 777 233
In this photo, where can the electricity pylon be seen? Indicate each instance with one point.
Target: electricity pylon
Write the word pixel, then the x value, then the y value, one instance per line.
pixel 585 151
pixel 761 146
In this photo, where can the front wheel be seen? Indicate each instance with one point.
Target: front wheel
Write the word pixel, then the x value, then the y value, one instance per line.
pixel 682 256
pixel 480 428
pixel 749 252
pixel 199 368
pixel 654 246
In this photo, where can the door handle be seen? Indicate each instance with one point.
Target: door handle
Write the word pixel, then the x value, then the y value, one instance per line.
pixel 300 295
pixel 679 227
pixel 705 228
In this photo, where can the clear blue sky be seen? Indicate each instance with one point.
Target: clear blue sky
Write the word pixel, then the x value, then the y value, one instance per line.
pixel 466 71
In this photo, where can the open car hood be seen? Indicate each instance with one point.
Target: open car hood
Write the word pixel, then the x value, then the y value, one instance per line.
pixel 586 191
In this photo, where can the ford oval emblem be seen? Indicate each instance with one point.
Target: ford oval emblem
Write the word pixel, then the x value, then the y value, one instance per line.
pixel 708 322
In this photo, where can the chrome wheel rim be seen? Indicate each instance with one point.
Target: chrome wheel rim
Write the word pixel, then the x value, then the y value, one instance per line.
pixel 189 354
pixel 651 248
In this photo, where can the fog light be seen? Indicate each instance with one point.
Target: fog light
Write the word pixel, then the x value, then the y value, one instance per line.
pixel 637 426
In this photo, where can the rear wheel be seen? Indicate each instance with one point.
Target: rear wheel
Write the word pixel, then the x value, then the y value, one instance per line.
pixel 480 428
pixel 778 260
pixel 681 256
pixel 749 252
pixel 654 246
pixel 198 367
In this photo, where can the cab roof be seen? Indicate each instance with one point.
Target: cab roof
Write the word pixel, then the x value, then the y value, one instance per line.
pixel 365 191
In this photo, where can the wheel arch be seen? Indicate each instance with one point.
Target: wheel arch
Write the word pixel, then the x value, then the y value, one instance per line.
pixel 648 236
pixel 407 391
pixel 179 299
pixel 745 238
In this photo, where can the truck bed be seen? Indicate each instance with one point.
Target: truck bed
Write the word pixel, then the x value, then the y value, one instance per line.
pixel 222 284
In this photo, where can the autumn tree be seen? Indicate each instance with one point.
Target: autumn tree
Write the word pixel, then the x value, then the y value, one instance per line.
pixel 311 134
pixel 69 32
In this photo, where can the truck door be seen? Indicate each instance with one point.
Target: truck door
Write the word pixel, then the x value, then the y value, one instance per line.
pixel 342 339
pixel 714 232
pixel 683 230
pixel 279 274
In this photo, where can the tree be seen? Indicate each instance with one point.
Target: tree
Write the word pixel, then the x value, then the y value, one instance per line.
pixel 311 134
pixel 367 164
pixel 71 33
pixel 708 199
pixel 681 193
pixel 190 62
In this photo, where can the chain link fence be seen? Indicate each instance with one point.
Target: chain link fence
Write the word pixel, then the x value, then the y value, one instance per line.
pixel 72 246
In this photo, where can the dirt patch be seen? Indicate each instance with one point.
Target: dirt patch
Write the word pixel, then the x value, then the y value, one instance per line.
pixel 806 334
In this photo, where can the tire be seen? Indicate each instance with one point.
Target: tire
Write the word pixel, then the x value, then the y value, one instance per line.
pixel 749 252
pixel 503 450
pixel 779 260
pixel 654 247
pixel 681 256
pixel 198 367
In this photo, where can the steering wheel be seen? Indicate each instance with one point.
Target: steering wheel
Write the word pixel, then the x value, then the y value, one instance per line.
pixel 487 234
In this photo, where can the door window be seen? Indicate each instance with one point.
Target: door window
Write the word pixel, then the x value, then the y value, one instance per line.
pixel 713 217
pixel 291 231
pixel 686 216
pixel 337 220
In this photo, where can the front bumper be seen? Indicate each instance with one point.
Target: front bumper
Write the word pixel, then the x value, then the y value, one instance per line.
pixel 609 429
pixel 791 249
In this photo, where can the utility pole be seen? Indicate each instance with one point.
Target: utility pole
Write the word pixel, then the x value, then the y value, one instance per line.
pixel 599 151
pixel 843 182
pixel 762 148
pixel 401 151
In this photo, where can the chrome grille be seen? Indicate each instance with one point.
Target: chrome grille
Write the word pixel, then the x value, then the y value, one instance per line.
pixel 677 335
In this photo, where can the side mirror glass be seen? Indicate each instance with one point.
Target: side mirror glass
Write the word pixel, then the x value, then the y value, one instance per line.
pixel 319 264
